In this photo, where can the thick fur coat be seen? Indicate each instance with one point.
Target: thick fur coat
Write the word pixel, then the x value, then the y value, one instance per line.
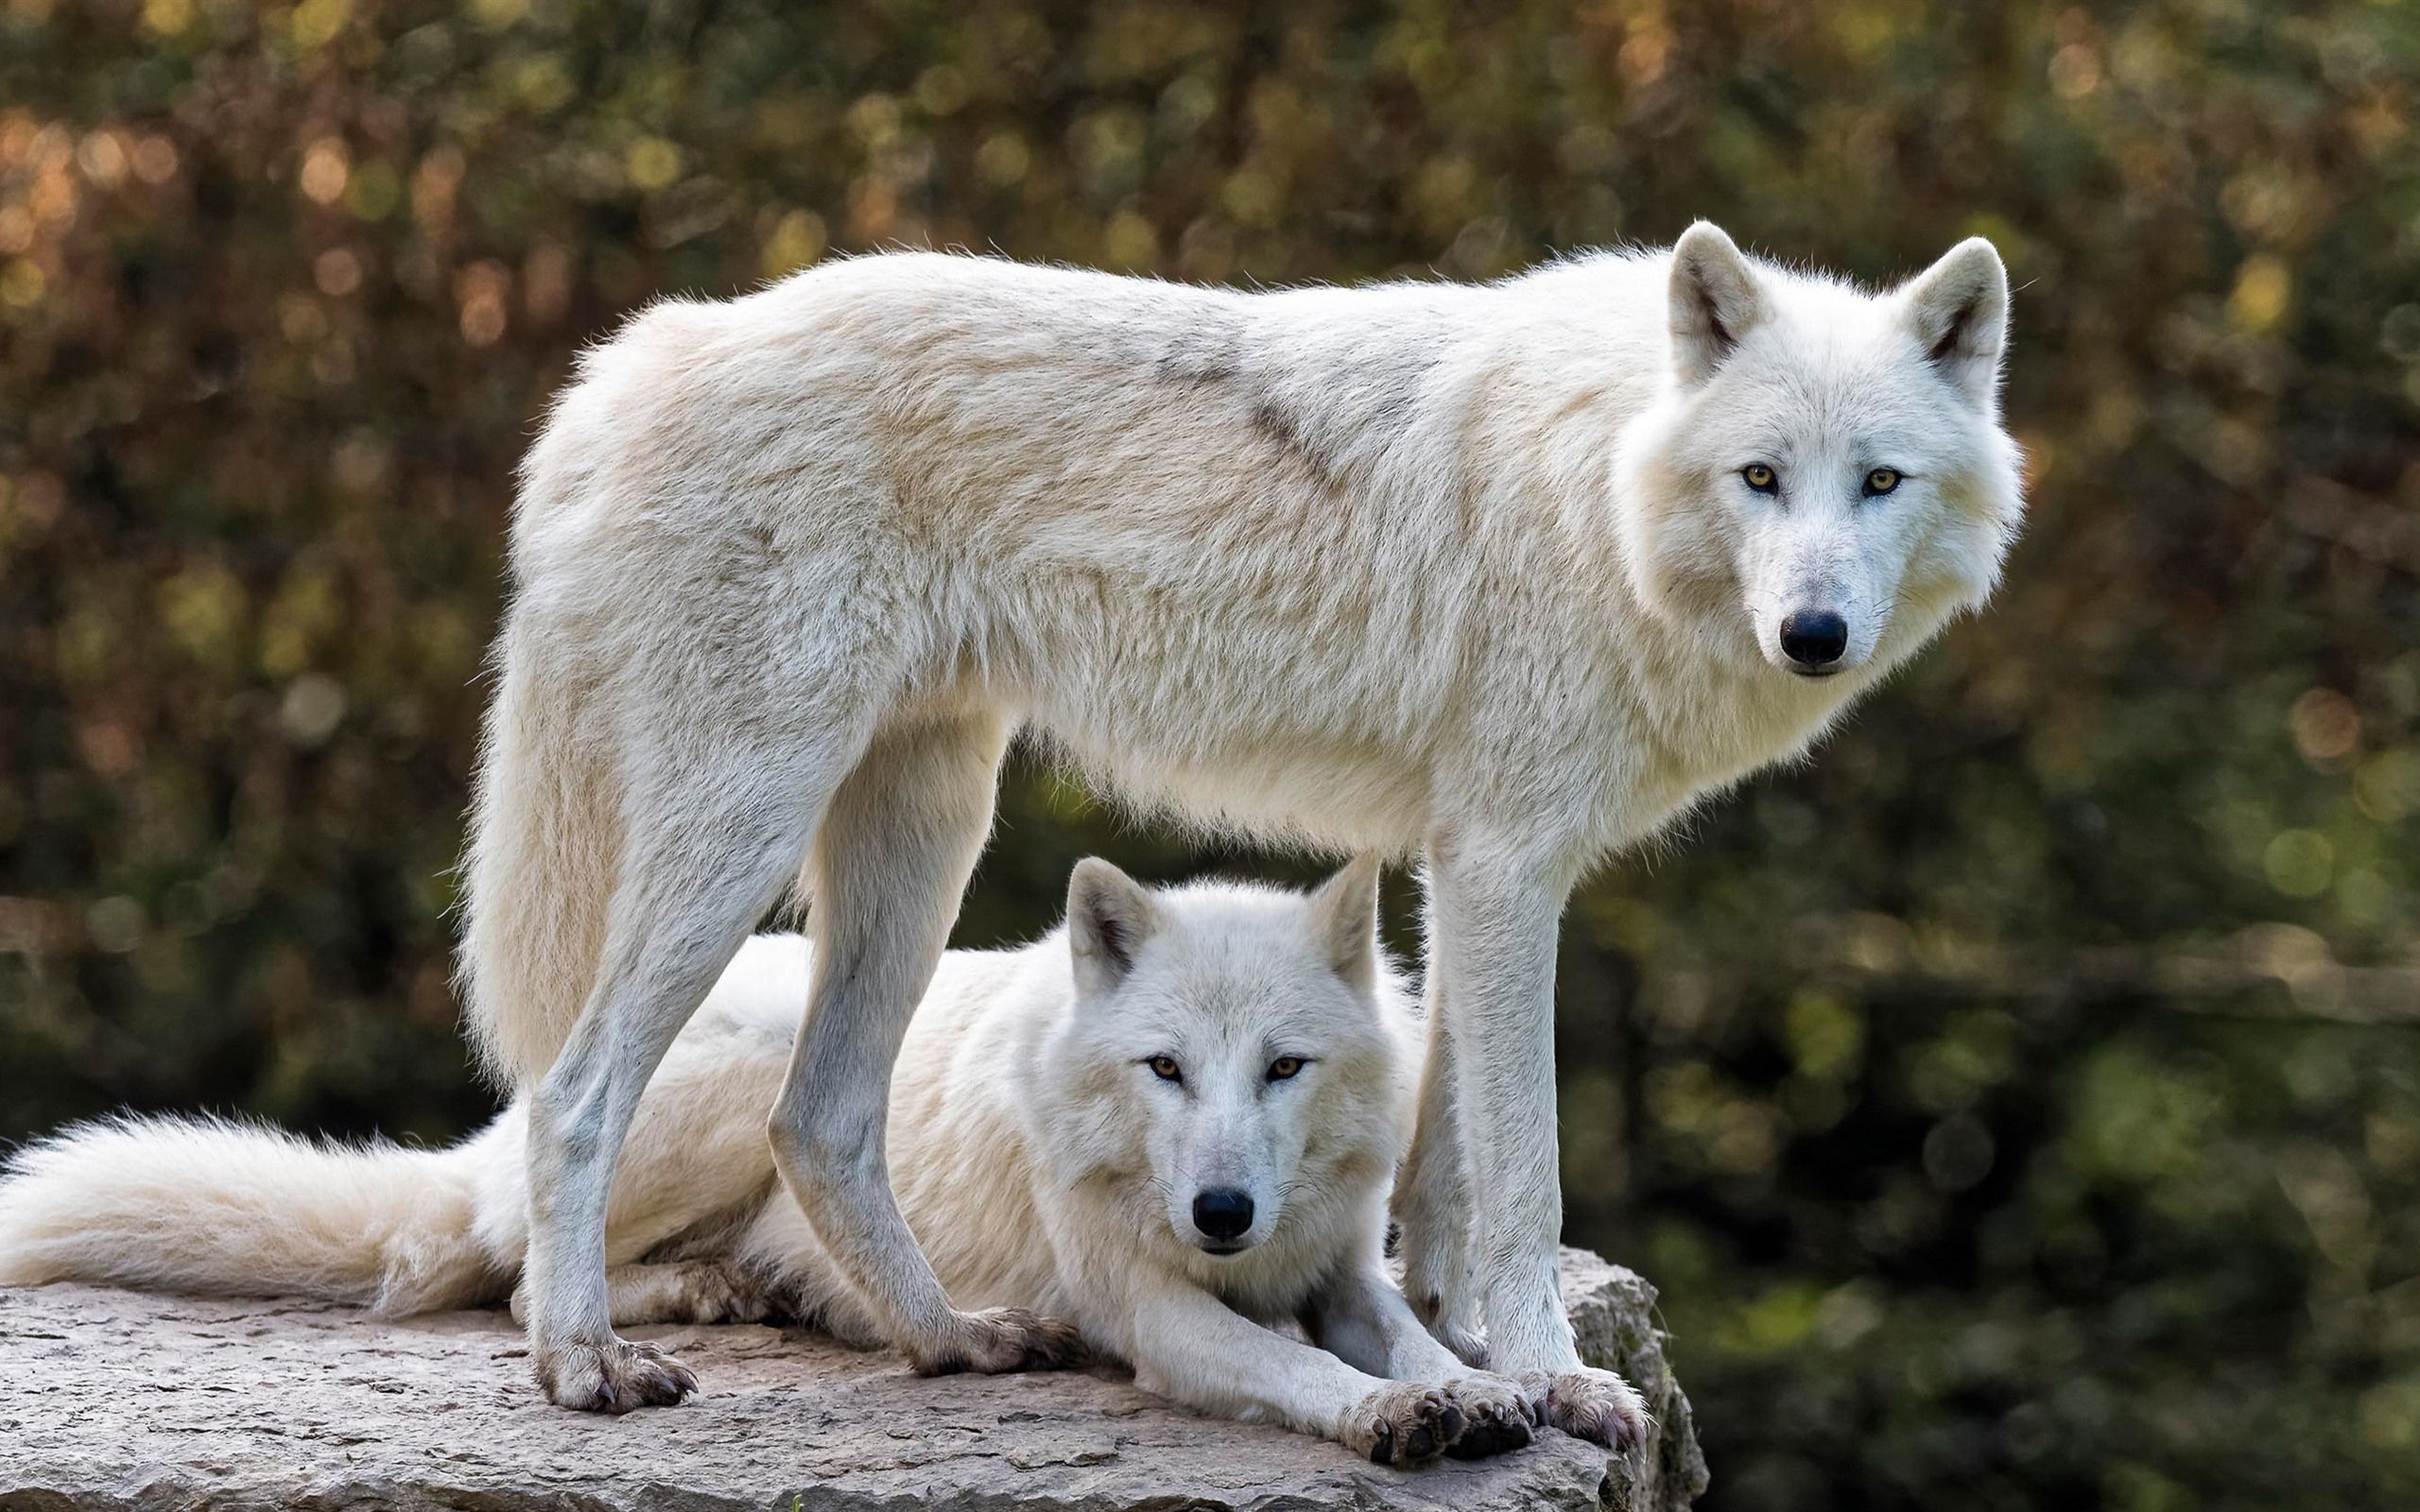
pixel 1065 1121
pixel 1501 577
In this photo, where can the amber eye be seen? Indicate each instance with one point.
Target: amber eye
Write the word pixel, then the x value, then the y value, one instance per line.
pixel 1285 1068
pixel 1166 1067
pixel 1882 481
pixel 1761 478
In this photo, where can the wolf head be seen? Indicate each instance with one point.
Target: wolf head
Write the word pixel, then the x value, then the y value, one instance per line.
pixel 1824 481
pixel 1233 1067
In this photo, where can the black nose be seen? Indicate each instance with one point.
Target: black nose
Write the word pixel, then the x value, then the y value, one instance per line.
pixel 1814 639
pixel 1223 1213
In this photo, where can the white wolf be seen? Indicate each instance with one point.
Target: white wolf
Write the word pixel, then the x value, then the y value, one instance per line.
pixel 1504 577
pixel 1173 1122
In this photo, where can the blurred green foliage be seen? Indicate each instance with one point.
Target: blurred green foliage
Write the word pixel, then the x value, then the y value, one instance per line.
pixel 2018 1105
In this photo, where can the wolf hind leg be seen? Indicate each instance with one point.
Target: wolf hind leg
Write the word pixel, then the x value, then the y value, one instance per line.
pixel 892 859
pixel 686 1291
pixel 680 1291
pixel 782 1251
pixel 715 833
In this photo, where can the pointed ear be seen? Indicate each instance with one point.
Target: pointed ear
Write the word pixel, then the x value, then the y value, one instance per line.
pixel 1344 921
pixel 1716 302
pixel 1958 311
pixel 1109 916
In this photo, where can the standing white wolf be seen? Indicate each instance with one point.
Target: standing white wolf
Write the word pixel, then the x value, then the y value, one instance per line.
pixel 1501 575
pixel 1172 1124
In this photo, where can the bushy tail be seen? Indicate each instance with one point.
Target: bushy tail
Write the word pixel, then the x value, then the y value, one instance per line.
pixel 546 841
pixel 212 1207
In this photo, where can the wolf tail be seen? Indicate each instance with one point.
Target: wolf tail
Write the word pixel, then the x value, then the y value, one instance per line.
pixel 546 847
pixel 213 1206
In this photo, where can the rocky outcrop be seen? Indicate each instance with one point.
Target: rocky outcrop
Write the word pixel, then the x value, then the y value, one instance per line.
pixel 114 1399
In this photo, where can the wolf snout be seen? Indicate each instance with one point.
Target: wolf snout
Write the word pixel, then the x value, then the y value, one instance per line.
pixel 1814 640
pixel 1223 1214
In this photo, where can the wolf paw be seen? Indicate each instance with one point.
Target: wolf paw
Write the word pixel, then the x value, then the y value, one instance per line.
pixel 1405 1424
pixel 1596 1405
pixel 1003 1339
pixel 617 1377
pixel 1497 1417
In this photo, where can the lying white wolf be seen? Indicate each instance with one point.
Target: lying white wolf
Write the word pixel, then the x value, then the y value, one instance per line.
pixel 1173 1122
pixel 1504 575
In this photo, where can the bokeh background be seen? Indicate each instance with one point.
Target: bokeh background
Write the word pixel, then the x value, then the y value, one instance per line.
pixel 2018 1105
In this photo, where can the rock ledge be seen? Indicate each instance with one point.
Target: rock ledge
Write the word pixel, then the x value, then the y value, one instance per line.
pixel 114 1399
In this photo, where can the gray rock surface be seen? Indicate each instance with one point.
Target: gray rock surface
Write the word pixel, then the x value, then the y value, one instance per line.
pixel 111 1399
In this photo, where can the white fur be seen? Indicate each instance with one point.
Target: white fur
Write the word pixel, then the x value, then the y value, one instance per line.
pixel 226 1208
pixel 1462 572
pixel 1041 1160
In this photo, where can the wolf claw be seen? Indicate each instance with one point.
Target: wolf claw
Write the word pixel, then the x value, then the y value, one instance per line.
pixel 1596 1405
pixel 1404 1424
pixel 616 1377
pixel 1497 1417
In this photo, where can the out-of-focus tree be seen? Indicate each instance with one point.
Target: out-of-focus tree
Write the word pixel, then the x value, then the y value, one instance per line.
pixel 2019 1105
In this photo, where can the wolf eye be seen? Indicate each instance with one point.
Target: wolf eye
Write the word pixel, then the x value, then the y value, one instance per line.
pixel 1882 481
pixel 1286 1068
pixel 1166 1067
pixel 1760 478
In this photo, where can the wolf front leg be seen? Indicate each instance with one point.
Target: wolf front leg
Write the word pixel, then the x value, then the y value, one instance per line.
pixel 1432 1196
pixel 1193 1348
pixel 1361 1318
pixel 1495 912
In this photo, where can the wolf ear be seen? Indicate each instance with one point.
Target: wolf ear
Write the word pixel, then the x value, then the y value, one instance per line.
pixel 1109 916
pixel 1958 312
pixel 1344 921
pixel 1716 302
